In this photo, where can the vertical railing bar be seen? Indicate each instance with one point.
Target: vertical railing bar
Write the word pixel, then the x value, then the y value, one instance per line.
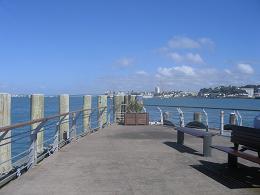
pixel 206 118
pixel 33 153
pixel 222 115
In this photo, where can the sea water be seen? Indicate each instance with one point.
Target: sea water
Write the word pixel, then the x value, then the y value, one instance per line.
pixel 251 106
pixel 21 113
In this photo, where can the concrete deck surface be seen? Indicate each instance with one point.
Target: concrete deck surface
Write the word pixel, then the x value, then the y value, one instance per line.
pixel 136 160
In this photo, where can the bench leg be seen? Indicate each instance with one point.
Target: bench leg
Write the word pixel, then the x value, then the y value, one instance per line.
pixel 180 137
pixel 207 141
pixel 232 161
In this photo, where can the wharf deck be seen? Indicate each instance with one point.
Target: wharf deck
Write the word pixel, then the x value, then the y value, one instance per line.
pixel 137 160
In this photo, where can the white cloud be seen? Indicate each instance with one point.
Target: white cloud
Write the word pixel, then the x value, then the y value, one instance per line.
pixel 183 42
pixel 206 42
pixel 227 71
pixel 187 70
pixel 164 72
pixel 124 62
pixel 245 68
pixel 179 77
pixel 142 73
pixel 176 57
pixel 188 77
pixel 180 42
pixel 192 58
pixel 175 71
pixel 179 49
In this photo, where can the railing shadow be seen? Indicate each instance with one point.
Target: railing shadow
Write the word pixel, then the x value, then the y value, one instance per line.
pixel 182 148
pixel 241 177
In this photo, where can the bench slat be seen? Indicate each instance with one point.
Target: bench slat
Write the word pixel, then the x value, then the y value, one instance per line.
pixel 246 134
pixel 238 153
pixel 245 142
pixel 245 129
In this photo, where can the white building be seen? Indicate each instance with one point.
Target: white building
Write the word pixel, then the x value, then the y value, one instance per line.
pixel 257 94
pixel 250 91
pixel 157 90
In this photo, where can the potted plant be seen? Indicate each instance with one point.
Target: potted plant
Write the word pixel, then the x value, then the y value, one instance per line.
pixel 134 114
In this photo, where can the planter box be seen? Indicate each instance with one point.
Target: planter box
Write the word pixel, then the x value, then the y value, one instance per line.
pixel 136 118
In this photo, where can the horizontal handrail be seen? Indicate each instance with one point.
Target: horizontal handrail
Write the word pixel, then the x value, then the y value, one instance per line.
pixel 205 107
pixel 45 119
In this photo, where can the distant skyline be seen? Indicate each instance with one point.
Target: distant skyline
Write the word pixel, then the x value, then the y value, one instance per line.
pixel 89 47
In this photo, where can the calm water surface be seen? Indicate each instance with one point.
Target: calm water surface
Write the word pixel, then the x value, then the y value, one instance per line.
pixel 21 113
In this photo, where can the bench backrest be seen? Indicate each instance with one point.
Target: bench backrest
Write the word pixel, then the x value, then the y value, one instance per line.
pixel 246 136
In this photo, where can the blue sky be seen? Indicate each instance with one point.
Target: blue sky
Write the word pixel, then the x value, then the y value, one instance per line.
pixel 58 46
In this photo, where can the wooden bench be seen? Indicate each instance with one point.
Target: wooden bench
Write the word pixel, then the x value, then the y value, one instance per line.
pixel 206 136
pixel 246 137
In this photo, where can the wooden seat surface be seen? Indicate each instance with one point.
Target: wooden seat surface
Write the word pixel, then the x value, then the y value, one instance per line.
pixel 238 153
pixel 195 132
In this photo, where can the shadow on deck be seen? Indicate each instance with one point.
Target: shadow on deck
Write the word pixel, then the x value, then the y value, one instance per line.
pixel 241 177
pixel 182 148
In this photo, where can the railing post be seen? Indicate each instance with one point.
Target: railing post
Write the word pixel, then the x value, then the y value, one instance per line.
pixel 102 110
pixel 33 151
pixel 206 119
pixel 64 125
pixel 161 115
pixel 166 116
pixel 132 98
pixel 180 134
pixel 126 102
pixel 73 126
pixel 122 112
pixel 232 119
pixel 86 112
pixel 222 115
pixel 56 138
pixel 118 101
pixel 239 118
pixel 109 109
pixel 197 116
pixel 37 112
pixel 182 124
pixel 116 108
pixel 5 120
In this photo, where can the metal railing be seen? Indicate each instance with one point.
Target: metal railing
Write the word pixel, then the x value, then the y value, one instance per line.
pixel 120 114
pixel 29 155
pixel 27 138
pixel 214 118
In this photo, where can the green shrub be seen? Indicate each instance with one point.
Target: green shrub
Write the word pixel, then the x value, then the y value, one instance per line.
pixel 134 106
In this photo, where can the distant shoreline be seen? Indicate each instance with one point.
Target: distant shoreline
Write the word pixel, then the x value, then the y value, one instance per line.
pixel 204 97
pixel 157 97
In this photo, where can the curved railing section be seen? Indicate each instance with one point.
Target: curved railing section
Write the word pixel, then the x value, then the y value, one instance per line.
pixel 213 118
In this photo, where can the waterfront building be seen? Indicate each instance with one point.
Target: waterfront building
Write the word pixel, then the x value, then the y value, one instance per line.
pixel 157 90
pixel 257 94
pixel 250 91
